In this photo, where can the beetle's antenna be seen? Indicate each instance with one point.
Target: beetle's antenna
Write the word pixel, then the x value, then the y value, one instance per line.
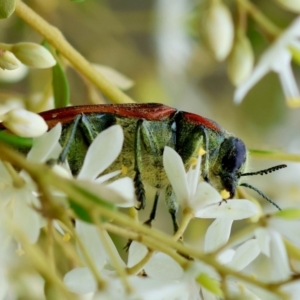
pixel 263 172
pixel 260 193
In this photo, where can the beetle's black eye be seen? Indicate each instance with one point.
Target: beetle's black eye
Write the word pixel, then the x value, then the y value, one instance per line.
pixel 234 155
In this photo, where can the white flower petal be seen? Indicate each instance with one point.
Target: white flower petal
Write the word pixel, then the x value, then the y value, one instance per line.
pixel 244 255
pixel 292 289
pixel 205 196
pixel 232 209
pixel 124 187
pixel 81 281
pixel 260 70
pixel 280 264
pixel 264 239
pixel 136 253
pixel 106 193
pixel 43 145
pixel 238 291
pixel 107 177
pixel 288 228
pixel 102 153
pixel 25 217
pixel 176 173
pixel 114 252
pixel 92 243
pixel 193 176
pixel 163 267
pixel 226 256
pixel 217 234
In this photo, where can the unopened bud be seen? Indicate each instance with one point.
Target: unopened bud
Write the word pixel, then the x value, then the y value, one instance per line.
pixel 33 55
pixel 10 104
pixel 8 61
pixel 7 7
pixel 219 30
pixel 291 5
pixel 24 123
pixel 240 60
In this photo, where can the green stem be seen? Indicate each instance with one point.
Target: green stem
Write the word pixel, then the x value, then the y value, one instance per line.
pixel 275 155
pixel 268 26
pixel 119 268
pixel 136 268
pixel 57 40
pixel 186 218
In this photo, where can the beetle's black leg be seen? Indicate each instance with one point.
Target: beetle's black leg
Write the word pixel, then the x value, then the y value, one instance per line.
pixel 172 205
pixel 153 211
pixel 69 140
pixel 138 183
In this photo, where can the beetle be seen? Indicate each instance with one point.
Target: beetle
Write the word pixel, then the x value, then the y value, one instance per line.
pixel 148 128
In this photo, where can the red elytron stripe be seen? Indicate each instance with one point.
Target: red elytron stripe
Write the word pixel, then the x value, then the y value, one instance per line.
pixel 149 111
pixel 196 119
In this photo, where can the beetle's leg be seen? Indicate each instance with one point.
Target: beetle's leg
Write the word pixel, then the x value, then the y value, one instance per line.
pixel 89 131
pixel 69 140
pixel 138 183
pixel 172 205
pixel 154 208
pixel 196 139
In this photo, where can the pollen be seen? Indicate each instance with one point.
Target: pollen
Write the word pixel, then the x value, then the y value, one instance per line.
pixel 201 151
pixel 225 194
pixel 293 102
pixel 66 237
pixel 124 170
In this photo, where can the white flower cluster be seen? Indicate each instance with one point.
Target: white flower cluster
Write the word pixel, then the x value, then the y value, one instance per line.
pixel 260 252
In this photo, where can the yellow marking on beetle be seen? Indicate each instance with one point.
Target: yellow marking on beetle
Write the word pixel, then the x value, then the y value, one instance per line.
pixel 124 170
pixel 225 194
pixel 201 151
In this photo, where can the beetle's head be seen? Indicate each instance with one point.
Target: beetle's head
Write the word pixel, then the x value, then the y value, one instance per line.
pixel 230 163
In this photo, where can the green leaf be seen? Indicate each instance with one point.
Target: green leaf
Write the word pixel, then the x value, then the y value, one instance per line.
pixel 14 140
pixel 258 151
pixel 290 214
pixel 210 284
pixel 76 1
pixel 81 211
pixel 60 85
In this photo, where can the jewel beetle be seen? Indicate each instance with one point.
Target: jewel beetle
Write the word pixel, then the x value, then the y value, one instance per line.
pixel 148 128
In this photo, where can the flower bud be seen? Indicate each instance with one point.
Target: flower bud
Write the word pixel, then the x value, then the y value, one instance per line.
pixel 291 5
pixel 24 123
pixel 13 76
pixel 33 55
pixel 8 61
pixel 7 7
pixel 240 60
pixel 219 30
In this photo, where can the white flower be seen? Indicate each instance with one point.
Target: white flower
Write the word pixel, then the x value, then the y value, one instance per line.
pixel 24 123
pixel 101 154
pixel 277 58
pixel 202 198
pixel 273 264
pixel 18 201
